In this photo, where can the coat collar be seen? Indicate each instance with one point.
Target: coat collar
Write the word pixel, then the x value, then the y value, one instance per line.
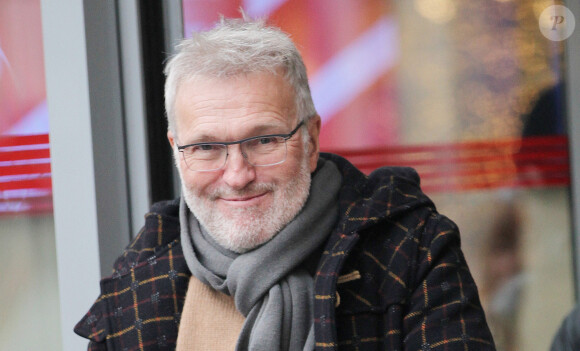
pixel 385 193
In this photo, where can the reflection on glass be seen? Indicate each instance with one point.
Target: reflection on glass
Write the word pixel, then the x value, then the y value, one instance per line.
pixel 456 90
pixel 29 302
pixel 438 11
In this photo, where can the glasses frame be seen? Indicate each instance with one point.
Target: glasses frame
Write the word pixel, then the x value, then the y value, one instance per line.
pixel 227 143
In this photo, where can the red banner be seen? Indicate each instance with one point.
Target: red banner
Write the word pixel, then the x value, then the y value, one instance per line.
pixel 25 175
pixel 453 167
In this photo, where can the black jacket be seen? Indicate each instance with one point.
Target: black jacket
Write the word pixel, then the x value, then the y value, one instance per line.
pixel 391 277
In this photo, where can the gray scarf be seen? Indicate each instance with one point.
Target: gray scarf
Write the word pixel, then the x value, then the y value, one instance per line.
pixel 270 285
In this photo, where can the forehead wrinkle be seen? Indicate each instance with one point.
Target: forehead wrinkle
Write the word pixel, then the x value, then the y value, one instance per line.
pixel 241 86
pixel 271 120
pixel 216 107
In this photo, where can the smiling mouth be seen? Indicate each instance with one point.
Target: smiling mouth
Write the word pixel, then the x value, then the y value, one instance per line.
pixel 249 196
pixel 244 199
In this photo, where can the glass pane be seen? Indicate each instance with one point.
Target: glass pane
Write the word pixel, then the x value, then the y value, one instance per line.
pixel 488 108
pixel 29 301
pixel 470 94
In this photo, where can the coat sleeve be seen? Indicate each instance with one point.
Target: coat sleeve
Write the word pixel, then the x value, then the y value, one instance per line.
pixel 444 312
pixel 567 337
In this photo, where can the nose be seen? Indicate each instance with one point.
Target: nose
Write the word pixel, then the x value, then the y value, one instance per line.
pixel 238 172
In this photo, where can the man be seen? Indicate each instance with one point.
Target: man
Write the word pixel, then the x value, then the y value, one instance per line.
pixel 274 246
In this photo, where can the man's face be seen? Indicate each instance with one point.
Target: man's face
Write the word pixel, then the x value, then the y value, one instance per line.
pixel 243 206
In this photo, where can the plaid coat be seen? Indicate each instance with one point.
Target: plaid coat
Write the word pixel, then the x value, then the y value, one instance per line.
pixel 391 277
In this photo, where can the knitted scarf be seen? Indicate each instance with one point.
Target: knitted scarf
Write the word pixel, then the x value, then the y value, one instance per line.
pixel 271 286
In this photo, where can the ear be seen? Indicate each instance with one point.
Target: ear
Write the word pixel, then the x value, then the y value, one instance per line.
pixel 173 144
pixel 313 143
pixel 171 139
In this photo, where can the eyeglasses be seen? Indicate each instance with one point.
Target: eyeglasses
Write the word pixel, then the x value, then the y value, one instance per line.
pixel 259 151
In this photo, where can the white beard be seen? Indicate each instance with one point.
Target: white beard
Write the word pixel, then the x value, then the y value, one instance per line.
pixel 243 229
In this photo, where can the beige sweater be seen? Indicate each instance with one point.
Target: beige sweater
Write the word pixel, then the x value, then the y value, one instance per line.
pixel 209 320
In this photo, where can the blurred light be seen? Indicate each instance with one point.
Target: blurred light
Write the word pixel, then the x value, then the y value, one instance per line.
pixel 437 11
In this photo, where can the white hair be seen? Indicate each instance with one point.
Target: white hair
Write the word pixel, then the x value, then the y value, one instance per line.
pixel 234 47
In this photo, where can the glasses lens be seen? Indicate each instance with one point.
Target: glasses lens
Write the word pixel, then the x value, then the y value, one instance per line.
pixel 265 151
pixel 204 157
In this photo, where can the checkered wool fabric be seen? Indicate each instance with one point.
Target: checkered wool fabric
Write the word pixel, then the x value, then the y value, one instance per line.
pixel 409 286
pixel 140 304
pixel 391 277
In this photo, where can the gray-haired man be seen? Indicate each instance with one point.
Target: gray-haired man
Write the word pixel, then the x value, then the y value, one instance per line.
pixel 274 245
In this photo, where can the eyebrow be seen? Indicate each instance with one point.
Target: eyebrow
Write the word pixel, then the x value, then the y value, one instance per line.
pixel 259 130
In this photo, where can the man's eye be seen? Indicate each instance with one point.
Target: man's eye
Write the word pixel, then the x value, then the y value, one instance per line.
pixel 267 140
pixel 204 147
